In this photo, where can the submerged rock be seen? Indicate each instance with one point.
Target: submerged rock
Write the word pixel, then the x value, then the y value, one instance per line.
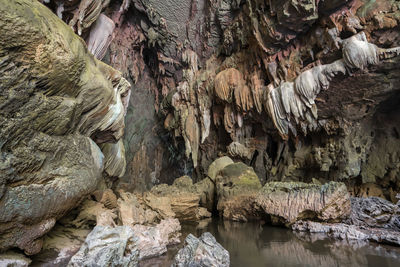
pixel 288 202
pixel 107 246
pixel 202 252
pixel 349 232
pixel 237 187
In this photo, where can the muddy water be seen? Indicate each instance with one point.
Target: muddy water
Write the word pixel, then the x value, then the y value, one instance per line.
pixel 254 245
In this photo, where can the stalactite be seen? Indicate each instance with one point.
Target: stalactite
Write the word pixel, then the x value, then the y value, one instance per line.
pixel 86 14
pixel 100 36
pixel 226 82
pixel 296 100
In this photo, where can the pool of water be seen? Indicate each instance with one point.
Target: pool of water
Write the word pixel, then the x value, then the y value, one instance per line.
pixel 254 245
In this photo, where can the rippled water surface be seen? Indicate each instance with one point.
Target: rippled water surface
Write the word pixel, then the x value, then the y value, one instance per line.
pixel 253 245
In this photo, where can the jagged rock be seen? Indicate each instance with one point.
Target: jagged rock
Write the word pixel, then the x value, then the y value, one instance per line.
pixel 374 212
pixel 12 259
pixel 152 241
pixel 106 246
pixel 349 232
pixel 237 186
pixel 335 230
pixel 203 251
pixel 55 107
pixel 131 211
pixel 184 198
pixel 289 202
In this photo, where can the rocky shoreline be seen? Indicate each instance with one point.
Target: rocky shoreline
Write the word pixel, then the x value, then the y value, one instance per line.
pixel 133 227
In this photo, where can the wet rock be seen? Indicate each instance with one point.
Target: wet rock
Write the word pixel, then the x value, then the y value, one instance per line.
pixel 237 186
pixel 152 241
pixel 289 202
pixel 203 251
pixel 338 230
pixel 12 259
pixel 106 246
pixel 349 232
pixel 374 212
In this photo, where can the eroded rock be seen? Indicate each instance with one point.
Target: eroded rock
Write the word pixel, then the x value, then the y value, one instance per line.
pixel 289 202
pixel 374 212
pixel 57 104
pixel 107 246
pixel 202 251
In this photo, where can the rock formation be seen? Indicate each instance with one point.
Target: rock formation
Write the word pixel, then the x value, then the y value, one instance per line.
pixel 106 246
pixel 292 91
pixel 202 251
pixel 288 202
pixel 237 186
pixel 58 106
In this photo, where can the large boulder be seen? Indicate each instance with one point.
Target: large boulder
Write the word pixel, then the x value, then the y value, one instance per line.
pixel 57 104
pixel 288 202
pixel 237 187
pixel 202 252
pixel 152 241
pixel 107 246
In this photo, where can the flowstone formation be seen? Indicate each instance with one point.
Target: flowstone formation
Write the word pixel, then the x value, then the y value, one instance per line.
pixel 59 109
pixel 295 89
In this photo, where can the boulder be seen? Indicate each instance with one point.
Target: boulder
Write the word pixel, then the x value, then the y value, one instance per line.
pixel 107 246
pixel 58 104
pixel 201 252
pixel 182 198
pixel 288 202
pixel 374 212
pixel 152 241
pixel 217 165
pixel 237 187
pixel 132 211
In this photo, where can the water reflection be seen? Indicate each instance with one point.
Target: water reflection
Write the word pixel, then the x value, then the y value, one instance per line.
pixel 251 244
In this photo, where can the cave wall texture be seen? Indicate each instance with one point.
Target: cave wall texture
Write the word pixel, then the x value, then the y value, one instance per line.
pixel 279 85
pixel 299 90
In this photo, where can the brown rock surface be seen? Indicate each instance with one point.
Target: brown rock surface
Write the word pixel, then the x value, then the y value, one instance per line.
pixel 289 202
pixel 237 186
pixel 57 104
